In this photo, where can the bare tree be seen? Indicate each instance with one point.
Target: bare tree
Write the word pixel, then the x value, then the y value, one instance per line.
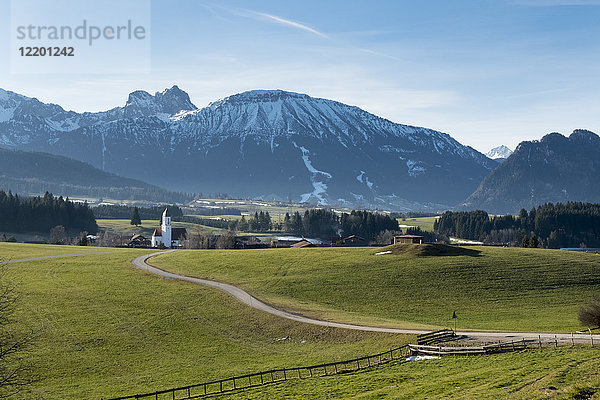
pixel 16 371
pixel 198 239
pixel 589 315
pixel 226 240
pixel 58 235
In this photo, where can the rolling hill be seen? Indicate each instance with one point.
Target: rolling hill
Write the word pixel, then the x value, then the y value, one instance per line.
pixel 35 173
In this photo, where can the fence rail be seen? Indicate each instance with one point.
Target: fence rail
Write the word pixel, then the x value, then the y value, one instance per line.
pixel 442 335
pixel 284 374
pixel 270 376
pixel 466 350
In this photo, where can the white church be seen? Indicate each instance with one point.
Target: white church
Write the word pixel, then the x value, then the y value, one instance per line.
pixel 166 235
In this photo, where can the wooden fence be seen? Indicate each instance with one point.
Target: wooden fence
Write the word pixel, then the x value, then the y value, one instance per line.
pixel 416 349
pixel 443 335
pixel 271 376
pixel 284 374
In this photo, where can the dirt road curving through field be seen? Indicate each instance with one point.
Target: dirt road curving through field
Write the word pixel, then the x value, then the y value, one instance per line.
pixel 245 298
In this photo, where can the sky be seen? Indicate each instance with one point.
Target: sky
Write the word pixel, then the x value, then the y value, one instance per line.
pixel 486 72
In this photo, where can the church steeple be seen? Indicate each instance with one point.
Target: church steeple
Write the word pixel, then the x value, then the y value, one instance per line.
pixel 166 228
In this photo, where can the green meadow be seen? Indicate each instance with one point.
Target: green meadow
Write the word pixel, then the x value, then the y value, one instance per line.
pixel 425 223
pixel 106 329
pixel 17 251
pixel 535 374
pixel 490 289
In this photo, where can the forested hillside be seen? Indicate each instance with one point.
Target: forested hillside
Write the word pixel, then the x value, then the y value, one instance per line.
pixel 40 214
pixel 557 225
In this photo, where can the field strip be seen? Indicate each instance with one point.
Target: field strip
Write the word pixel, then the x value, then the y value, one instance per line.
pixel 244 297
pixel 56 256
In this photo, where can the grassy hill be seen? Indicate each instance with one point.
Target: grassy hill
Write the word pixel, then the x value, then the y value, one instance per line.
pixel 106 328
pixel 490 288
pixel 537 374
pixel 35 173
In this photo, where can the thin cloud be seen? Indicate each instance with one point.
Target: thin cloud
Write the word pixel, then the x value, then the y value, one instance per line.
pixel 287 22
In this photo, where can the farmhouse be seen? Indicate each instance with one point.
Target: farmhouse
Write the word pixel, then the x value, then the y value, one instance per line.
pixel 355 241
pixel 408 239
pixel 138 241
pixel 301 244
pixel 166 235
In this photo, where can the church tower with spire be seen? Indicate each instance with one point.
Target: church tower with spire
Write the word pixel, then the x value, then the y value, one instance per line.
pixel 165 227
pixel 167 235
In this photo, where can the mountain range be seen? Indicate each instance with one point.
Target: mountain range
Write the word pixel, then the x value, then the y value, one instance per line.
pixel 553 169
pixel 268 144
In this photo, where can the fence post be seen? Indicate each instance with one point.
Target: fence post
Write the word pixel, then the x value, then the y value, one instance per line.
pixel 310 370
pixel 189 394
pixel 173 394
pixel 357 364
pixel 555 342
pixel 205 388
pixel 234 382
pixel 261 378
pixel 284 375
pixel 250 380
pixel 540 340
pixel 572 340
pixel 220 386
pixel 272 380
pixel 369 361
pixel 325 369
pixel 335 367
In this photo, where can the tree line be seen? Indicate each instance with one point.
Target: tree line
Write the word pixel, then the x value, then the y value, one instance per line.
pixel 320 223
pixel 41 213
pixel 573 224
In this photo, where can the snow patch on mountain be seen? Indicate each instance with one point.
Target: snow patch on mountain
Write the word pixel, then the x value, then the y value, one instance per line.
pixel 308 163
pixel 320 188
pixel 360 177
pixel 414 169
pixel 6 114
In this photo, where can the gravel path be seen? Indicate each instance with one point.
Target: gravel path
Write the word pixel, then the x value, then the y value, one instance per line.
pixel 246 298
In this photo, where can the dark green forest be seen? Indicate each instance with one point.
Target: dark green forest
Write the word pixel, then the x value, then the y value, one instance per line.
pixel 572 224
pixel 320 223
pixel 42 213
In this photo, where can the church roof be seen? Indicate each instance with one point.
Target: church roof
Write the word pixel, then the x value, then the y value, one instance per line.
pixel 166 212
pixel 176 233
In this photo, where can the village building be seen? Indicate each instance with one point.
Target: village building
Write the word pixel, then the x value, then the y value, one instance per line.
pixel 301 244
pixel 408 239
pixel 288 241
pixel 167 235
pixel 355 241
pixel 138 241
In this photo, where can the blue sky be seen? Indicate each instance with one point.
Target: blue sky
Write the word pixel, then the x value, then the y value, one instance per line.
pixel 486 72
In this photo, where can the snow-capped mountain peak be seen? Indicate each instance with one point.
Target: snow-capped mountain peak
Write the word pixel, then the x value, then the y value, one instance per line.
pixel 170 101
pixel 500 152
pixel 271 143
